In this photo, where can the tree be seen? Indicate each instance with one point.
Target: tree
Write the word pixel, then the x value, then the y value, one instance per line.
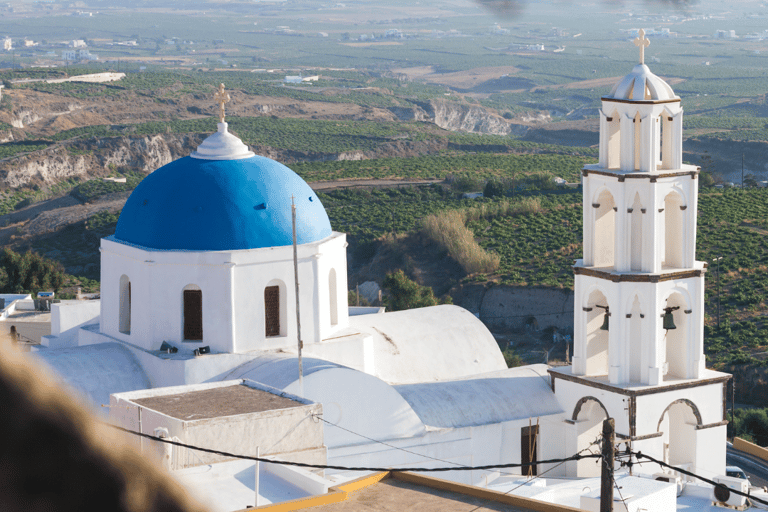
pixel 29 272
pixel 495 188
pixel 407 294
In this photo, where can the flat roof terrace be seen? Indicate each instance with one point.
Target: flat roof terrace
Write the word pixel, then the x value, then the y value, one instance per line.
pixel 217 402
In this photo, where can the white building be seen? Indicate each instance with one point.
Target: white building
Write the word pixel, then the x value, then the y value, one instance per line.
pixel 7 44
pixel 202 260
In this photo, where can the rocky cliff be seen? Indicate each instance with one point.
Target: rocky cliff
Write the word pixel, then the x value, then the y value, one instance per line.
pixel 457 117
pixel 94 158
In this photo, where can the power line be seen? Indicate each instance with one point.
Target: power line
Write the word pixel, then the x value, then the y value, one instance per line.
pixel 347 468
pixel 703 479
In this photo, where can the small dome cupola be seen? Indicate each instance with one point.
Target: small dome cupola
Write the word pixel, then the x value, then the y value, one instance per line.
pixel 641 122
pixel 641 84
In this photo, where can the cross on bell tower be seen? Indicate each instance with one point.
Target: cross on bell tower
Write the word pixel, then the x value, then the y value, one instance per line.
pixel 642 43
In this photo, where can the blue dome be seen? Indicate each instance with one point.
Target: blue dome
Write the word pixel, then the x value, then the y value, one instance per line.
pixel 193 204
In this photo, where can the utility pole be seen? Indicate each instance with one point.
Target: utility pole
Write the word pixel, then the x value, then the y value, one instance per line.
pixel 718 291
pixel 296 279
pixel 606 475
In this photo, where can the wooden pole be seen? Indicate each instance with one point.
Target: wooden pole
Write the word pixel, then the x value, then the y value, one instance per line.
pixel 606 475
pixel 296 279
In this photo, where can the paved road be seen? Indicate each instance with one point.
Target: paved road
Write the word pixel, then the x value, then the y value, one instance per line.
pixel 756 469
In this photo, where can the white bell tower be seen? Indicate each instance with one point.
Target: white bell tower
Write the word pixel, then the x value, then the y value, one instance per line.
pixel 639 291
pixel 639 242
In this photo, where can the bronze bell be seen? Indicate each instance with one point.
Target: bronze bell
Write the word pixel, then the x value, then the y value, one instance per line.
pixel 669 318
pixel 604 327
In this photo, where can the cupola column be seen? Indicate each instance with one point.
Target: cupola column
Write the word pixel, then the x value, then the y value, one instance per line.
pixel 677 140
pixel 647 129
pixel 653 341
pixel 603 146
pixel 627 129
pixel 622 255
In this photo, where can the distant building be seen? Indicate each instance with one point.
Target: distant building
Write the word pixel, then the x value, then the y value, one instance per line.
pixel 77 43
pixel 7 44
pixel 725 34
pixel 69 55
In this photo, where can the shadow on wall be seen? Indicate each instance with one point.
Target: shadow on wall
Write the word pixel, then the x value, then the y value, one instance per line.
pixel 60 458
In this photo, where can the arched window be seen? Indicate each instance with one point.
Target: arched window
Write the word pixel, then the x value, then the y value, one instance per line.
pixel 193 313
pixel 272 310
pixel 605 230
pixel 125 305
pixel 333 297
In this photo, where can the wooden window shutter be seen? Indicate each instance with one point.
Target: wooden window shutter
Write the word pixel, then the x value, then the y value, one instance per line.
pixel 272 310
pixel 193 315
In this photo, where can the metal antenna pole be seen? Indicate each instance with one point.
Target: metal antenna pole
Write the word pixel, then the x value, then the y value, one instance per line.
pixel 296 279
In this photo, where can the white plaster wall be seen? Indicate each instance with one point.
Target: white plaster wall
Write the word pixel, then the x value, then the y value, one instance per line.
pixel 68 317
pixel 290 434
pixel 232 285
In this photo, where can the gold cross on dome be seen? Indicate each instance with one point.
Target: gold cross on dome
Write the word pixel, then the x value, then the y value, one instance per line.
pixel 221 98
pixel 642 43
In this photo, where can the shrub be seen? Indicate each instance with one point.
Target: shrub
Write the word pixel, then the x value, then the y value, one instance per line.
pixel 407 294
pixel 448 231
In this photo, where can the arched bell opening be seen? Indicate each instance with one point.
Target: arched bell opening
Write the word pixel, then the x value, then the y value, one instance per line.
pixel 636 235
pixel 675 324
pixel 678 427
pixel 589 415
pixel 605 230
pixel 598 325
pixel 673 231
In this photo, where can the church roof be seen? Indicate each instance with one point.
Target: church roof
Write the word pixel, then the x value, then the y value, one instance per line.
pixel 221 198
pixel 642 85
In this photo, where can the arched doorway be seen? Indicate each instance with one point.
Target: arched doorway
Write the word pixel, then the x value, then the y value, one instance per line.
pixel 678 427
pixel 589 415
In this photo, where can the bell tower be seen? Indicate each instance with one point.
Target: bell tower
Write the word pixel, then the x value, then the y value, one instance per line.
pixel 639 291
pixel 639 242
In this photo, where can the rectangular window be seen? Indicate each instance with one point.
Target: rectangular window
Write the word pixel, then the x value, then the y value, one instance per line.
pixel 193 315
pixel 272 310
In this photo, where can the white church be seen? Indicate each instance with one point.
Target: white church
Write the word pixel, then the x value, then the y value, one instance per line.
pixel 203 258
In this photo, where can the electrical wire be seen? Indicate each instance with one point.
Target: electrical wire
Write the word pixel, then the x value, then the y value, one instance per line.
pixel 703 479
pixel 347 468
pixel 542 474
pixel 401 449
